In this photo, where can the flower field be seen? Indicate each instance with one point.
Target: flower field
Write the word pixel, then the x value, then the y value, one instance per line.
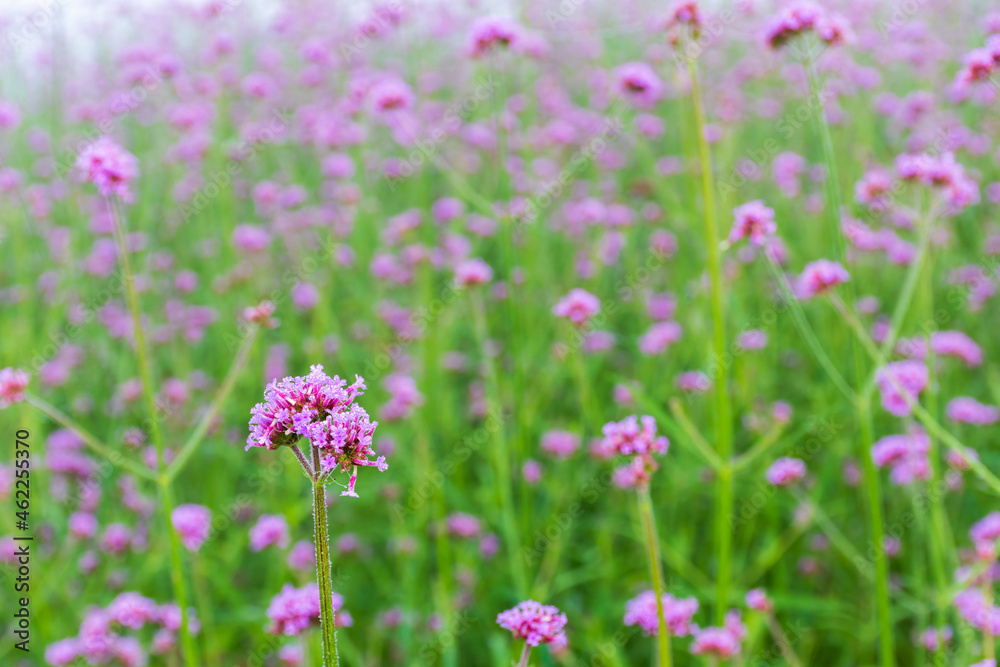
pixel 565 334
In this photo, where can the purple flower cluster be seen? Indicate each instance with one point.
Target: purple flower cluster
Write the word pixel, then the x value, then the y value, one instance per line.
pixel 677 613
pixel 295 610
pixel 753 221
pixel 108 166
pixel 636 438
pixel 320 409
pixel 804 16
pixel 786 471
pixel 101 638
pixel 193 523
pixel 900 383
pixel 13 382
pixel 535 623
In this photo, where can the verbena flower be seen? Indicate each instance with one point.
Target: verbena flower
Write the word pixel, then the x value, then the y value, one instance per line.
pixel 13 382
pixel 753 221
pixel 578 306
pixel 193 524
pixel 535 623
pixel 636 438
pixel 786 471
pixel 320 409
pixel 295 610
pixel 108 166
pixel 900 383
pixel 677 613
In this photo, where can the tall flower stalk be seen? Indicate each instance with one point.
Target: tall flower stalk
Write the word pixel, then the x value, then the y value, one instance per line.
pixel 320 410
pixel 652 544
pixel 111 168
pixel 872 482
pixel 723 408
pixel 637 439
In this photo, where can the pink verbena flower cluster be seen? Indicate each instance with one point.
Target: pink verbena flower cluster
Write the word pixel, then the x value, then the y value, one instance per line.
pixel 677 613
pixel 193 523
pixel 820 277
pixel 639 83
pixel 970 411
pixel 724 642
pixel 13 382
pixel 578 306
pixel 295 610
pixel 941 172
pixel 979 64
pixel 101 638
pixel 108 166
pixel 320 409
pixel 753 221
pixel 978 611
pixel 905 455
pixel 535 623
pixel 493 32
pixel 803 16
pixel 636 438
pixel 900 383
pixel 786 471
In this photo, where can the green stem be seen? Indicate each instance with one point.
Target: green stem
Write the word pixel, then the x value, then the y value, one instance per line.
pixel 213 409
pixel 89 439
pixel 939 538
pixel 165 494
pixel 834 201
pixel 328 615
pixel 655 570
pixel 723 418
pixel 523 662
pixel 500 449
pixel 694 435
pixel 781 639
pixel 806 330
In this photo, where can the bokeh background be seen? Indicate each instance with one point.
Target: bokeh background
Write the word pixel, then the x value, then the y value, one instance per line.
pixel 342 161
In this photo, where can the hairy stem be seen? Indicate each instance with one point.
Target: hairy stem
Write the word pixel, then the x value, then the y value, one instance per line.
pixel 328 615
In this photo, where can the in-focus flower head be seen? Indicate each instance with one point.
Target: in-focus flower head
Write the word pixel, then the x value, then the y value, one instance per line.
pixel 321 409
pixel 535 623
